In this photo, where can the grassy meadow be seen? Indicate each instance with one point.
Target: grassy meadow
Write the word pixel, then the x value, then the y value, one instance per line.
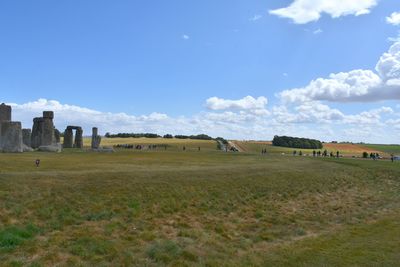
pixel 389 149
pixel 197 208
pixel 172 144
pixel 347 150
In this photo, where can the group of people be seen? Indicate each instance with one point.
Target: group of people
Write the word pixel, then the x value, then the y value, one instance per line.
pixel 140 147
pixel 374 156
pixel 319 153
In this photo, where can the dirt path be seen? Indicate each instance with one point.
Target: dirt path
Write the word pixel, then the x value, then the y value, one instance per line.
pixel 237 146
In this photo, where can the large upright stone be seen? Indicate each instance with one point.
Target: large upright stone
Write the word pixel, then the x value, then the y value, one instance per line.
pixel 5 112
pixel 48 136
pixel 11 137
pixel 96 138
pixel 57 135
pixel 26 137
pixel 37 132
pixel 10 132
pixel 79 138
pixel 43 131
pixel 68 138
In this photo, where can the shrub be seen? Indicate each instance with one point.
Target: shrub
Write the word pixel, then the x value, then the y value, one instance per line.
pixel 181 136
pixel 295 142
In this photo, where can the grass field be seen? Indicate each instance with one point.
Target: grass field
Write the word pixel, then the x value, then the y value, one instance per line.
pixel 172 144
pixel 389 149
pixel 191 208
pixel 348 150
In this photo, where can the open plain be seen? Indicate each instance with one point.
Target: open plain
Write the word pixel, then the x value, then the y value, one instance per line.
pixel 197 208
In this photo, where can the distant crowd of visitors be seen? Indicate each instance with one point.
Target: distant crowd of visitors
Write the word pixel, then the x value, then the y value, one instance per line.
pixel 141 147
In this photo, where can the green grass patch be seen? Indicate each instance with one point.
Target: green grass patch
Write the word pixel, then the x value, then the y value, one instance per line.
pixel 207 208
pixel 13 236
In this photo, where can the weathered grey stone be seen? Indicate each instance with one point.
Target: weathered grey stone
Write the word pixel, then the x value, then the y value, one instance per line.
pixel 48 115
pixel 48 137
pixel 79 138
pixel 11 137
pixel 5 112
pixel 96 138
pixel 68 138
pixel 37 132
pixel 26 137
pixel 43 131
pixel 53 148
pixel 69 141
pixel 57 135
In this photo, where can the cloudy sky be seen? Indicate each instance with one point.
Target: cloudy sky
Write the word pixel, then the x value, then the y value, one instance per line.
pixel 326 69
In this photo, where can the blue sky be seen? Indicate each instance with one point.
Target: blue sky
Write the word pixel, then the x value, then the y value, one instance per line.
pixel 220 67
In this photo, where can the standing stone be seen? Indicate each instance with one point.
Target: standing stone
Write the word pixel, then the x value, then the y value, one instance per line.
pixel 11 137
pixel 10 132
pixel 43 131
pixel 96 138
pixel 5 112
pixel 37 130
pixel 48 137
pixel 68 138
pixel 26 137
pixel 79 138
pixel 57 135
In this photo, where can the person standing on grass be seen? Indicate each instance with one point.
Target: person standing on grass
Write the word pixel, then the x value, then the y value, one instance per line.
pixel 337 154
pixel 392 157
pixel 37 162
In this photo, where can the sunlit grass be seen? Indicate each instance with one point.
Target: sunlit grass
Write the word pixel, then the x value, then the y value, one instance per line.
pixel 207 208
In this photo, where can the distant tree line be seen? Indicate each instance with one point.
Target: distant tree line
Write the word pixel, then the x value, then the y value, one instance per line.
pixel 152 135
pixel 197 137
pixel 295 142
pixel 132 135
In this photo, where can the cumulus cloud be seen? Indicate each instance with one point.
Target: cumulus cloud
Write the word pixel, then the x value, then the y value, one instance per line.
pixel 246 118
pixel 372 117
pixel 305 11
pixel 394 19
pixel 87 118
pixel 246 103
pixel 355 86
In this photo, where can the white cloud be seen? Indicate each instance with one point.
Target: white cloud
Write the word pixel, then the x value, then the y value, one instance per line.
pixel 394 18
pixel 305 11
pixel 318 31
pixel 246 118
pixel 248 103
pixel 255 17
pixel 356 85
pixel 372 117
pixel 185 37
pixel 317 113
